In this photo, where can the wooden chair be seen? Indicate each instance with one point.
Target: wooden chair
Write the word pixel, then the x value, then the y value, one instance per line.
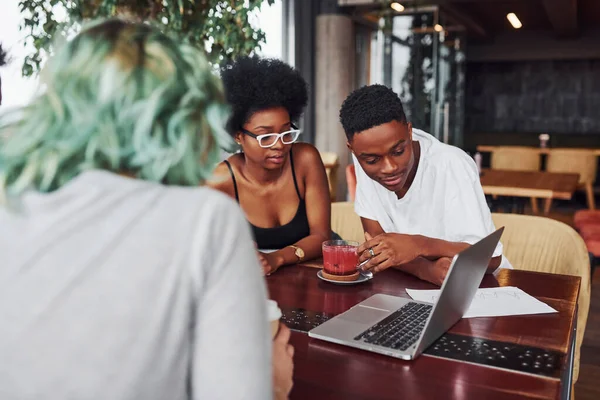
pixel 331 161
pixel 517 158
pixel 544 245
pixel 579 161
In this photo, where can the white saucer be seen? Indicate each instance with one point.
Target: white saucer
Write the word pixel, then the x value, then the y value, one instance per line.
pixel 361 278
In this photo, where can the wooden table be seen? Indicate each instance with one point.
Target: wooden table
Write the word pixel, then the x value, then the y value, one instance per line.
pixel 328 371
pixel 546 150
pixel 533 184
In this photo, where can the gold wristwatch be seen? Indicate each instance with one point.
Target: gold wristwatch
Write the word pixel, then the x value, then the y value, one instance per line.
pixel 298 252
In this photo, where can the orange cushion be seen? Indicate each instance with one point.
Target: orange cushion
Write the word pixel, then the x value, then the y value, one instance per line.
pixel 589 231
pixel 351 181
pixel 584 217
pixel 593 245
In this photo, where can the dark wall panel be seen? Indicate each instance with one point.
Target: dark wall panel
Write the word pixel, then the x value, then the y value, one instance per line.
pixel 560 97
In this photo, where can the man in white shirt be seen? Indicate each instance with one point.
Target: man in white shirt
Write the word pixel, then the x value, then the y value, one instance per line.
pixel 420 200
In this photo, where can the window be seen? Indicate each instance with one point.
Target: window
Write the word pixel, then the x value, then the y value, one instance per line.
pixel 270 20
pixel 16 90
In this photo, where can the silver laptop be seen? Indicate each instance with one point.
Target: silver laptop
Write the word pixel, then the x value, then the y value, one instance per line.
pixel 404 328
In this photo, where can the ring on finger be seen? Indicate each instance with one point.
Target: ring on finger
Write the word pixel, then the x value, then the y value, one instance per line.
pixel 371 252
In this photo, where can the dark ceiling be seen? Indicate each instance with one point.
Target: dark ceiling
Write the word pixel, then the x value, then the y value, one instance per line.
pixel 485 19
pixel 566 18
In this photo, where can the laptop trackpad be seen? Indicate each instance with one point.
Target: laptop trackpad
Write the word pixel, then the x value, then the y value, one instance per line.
pixel 364 315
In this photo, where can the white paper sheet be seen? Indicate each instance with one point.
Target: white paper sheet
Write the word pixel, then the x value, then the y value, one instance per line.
pixel 493 302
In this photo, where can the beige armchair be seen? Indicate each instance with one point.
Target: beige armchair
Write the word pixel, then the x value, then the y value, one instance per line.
pixel 545 245
pixel 345 222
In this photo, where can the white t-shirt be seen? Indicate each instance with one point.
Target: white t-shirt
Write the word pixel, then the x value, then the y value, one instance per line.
pixel 445 200
pixel 121 289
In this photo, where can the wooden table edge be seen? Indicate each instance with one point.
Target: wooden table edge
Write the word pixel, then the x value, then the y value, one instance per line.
pixel 490 148
pixel 522 192
pixel 518 192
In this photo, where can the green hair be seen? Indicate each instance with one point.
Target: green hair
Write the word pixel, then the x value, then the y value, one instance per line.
pixel 122 97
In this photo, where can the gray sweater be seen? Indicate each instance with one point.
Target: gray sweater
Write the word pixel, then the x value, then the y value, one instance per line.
pixel 118 289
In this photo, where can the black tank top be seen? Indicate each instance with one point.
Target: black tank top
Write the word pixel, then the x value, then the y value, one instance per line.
pixel 281 236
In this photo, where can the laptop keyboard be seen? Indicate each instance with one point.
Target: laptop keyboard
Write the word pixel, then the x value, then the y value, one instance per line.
pixel 301 320
pixel 399 330
pixel 497 354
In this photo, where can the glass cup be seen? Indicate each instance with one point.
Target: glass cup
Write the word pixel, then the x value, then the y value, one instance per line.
pixel 544 137
pixel 273 315
pixel 340 257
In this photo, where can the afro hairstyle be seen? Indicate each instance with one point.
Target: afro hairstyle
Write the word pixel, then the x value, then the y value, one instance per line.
pixel 370 106
pixel 254 84
pixel 3 56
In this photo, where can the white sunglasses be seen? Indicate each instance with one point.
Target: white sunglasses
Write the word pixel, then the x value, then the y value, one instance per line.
pixel 270 139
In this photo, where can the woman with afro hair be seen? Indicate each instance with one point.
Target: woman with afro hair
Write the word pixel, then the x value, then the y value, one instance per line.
pixel 3 61
pixel 280 184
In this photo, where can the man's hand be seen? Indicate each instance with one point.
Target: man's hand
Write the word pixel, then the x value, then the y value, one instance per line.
pixel 270 262
pixel 433 271
pixel 388 250
pixel 283 364
pixel 438 271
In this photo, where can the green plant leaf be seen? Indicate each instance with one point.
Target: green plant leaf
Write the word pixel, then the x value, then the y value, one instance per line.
pixel 226 22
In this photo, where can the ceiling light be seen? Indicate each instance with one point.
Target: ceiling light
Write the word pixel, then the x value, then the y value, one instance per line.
pixel 397 6
pixel 514 20
pixel 438 28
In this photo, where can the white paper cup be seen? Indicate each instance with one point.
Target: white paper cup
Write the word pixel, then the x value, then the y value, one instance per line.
pixel 273 315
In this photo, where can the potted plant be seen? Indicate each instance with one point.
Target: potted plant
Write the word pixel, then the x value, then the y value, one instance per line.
pixel 221 27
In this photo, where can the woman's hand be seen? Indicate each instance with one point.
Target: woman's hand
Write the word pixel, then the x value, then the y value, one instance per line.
pixel 263 263
pixel 387 250
pixel 283 364
pixel 270 262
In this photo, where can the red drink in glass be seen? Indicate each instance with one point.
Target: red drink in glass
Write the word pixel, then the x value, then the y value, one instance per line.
pixel 340 257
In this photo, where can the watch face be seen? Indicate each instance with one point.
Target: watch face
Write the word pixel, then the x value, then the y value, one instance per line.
pixel 299 252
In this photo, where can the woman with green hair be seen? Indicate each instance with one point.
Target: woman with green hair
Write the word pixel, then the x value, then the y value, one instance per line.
pixel 120 278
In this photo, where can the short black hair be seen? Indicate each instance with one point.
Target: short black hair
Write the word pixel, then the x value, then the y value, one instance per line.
pixel 370 106
pixel 254 84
